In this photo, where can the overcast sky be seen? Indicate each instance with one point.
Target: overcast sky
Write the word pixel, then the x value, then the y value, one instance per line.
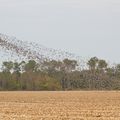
pixel 85 27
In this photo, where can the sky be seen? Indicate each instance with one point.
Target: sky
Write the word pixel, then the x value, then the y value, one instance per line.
pixel 85 27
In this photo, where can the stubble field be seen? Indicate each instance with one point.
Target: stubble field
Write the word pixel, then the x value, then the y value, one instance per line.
pixel 60 105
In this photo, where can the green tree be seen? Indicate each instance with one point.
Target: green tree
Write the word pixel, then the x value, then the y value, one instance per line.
pixel 31 66
pixel 92 63
pixel 7 66
pixel 69 65
pixel 102 64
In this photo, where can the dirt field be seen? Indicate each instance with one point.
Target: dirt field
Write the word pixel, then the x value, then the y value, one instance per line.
pixel 60 105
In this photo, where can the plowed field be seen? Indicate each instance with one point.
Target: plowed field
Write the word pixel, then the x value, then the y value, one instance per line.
pixel 84 105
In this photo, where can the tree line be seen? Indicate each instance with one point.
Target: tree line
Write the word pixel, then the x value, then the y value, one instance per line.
pixel 59 75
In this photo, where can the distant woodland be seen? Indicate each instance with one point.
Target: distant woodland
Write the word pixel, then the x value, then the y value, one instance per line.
pixel 59 75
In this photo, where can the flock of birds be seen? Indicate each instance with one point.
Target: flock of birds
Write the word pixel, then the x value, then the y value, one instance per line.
pixel 18 50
